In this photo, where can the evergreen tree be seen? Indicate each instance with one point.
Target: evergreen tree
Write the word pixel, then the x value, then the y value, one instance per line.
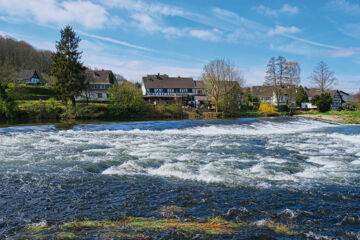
pixel 322 101
pixel 67 68
pixel 301 96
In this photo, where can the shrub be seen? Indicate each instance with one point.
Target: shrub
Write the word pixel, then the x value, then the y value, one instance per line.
pixel 51 108
pixel 267 109
pixel 284 108
pixel 125 99
pixel 322 101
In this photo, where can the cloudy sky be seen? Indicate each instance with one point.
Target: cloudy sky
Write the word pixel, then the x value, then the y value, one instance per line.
pixel 139 37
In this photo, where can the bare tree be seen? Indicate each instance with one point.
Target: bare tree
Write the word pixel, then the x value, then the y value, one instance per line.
pixel 322 77
pixel 292 79
pixel 276 76
pixel 221 77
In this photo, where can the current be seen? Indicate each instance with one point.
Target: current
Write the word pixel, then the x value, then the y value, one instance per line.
pixel 298 172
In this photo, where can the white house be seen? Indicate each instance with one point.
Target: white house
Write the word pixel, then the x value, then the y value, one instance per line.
pixel 99 83
pixel 267 95
pixel 29 77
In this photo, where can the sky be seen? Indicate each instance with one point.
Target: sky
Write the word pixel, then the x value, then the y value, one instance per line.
pixel 139 37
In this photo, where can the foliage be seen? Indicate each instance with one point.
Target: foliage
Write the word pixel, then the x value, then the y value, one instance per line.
pixel 84 111
pixel 125 99
pixel 111 77
pixel 21 55
pixel 284 108
pixel 322 77
pixel 67 68
pixel 267 109
pixel 230 102
pixel 322 101
pixel 221 78
pixel 301 96
pixel 51 108
pixel 163 111
pixel 8 105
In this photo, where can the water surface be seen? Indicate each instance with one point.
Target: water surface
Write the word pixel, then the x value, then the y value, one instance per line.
pixel 302 173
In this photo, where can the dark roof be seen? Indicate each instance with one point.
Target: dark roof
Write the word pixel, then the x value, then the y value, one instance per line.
pixel 164 81
pixel 262 91
pixel 100 76
pixel 316 91
pixel 199 84
pixel 26 74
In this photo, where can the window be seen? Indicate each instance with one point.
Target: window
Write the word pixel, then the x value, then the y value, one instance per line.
pixel 100 95
pixel 151 90
pixel 176 90
pixel 190 90
pixel 164 90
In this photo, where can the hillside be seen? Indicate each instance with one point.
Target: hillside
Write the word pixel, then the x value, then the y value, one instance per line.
pixel 19 55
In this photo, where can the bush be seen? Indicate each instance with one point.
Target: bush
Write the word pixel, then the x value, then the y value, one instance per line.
pixel 125 99
pixel 83 111
pixel 284 108
pixel 322 101
pixel 51 108
pixel 267 109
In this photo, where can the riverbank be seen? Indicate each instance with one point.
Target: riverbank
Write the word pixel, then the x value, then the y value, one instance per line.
pixel 348 117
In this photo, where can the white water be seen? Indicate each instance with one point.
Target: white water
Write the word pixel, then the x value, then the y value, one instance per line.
pixel 258 153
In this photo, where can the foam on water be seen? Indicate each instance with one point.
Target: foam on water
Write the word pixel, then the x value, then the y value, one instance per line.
pixel 253 152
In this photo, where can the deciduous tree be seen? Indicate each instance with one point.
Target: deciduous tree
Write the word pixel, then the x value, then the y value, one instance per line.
pixel 322 77
pixel 276 76
pixel 222 80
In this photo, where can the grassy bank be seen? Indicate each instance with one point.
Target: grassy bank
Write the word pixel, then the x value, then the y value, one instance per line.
pixel 350 117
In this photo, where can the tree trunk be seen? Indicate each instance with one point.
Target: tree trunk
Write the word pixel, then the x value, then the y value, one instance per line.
pixel 73 101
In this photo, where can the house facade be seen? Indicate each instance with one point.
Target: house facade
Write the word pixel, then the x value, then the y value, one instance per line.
pixel 340 99
pixel 99 82
pixel 162 89
pixel 267 95
pixel 29 77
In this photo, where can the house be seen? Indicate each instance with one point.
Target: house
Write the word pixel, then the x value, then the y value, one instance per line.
pixel 99 82
pixel 162 89
pixel 340 99
pixel 267 95
pixel 29 77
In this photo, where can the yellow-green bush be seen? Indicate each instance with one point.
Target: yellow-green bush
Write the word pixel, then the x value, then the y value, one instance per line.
pixel 267 109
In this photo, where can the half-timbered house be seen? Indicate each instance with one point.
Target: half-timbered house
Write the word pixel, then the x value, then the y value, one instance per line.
pixel 29 77
pixel 162 89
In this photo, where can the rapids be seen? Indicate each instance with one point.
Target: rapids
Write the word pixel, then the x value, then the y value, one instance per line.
pixel 299 172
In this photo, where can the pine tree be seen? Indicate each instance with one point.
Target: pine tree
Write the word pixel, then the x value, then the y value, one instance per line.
pixel 67 68
pixel 301 96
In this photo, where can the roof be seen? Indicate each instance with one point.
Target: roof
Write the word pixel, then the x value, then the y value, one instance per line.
pixel 26 74
pixel 311 92
pixel 100 76
pixel 262 91
pixel 164 81
pixel 199 84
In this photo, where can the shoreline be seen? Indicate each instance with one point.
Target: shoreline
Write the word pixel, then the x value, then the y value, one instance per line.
pixel 331 118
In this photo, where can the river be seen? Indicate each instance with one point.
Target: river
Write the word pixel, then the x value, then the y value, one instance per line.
pixel 294 173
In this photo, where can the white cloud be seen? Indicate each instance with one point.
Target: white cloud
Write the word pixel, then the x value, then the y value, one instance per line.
pixel 291 10
pixel 351 30
pixel 344 52
pixel 279 30
pixel 145 22
pixel 286 9
pixel 211 35
pixel 255 75
pixel 122 43
pixel 344 6
pixel 85 13
pixel 144 7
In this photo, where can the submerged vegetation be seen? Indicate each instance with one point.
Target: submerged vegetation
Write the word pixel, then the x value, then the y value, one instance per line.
pixel 145 228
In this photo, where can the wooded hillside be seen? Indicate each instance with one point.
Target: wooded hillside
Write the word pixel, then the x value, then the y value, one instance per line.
pixel 21 55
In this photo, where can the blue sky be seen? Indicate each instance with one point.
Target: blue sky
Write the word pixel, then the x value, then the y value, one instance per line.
pixel 139 37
